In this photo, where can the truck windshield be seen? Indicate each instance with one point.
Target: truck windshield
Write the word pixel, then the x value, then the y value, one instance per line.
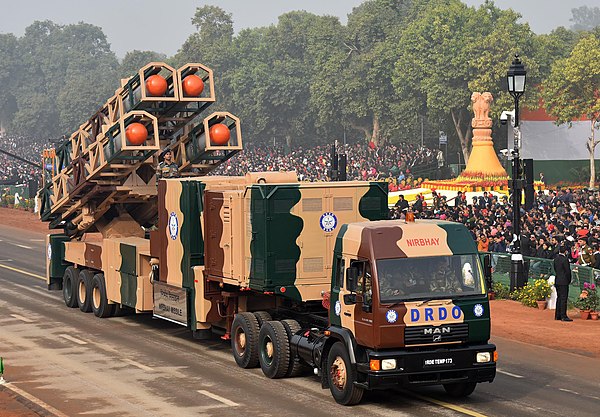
pixel 429 277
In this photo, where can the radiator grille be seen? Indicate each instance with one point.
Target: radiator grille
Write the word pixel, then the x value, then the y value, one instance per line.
pixel 422 335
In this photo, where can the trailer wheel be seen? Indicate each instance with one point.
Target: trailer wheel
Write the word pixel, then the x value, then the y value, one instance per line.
pixel 296 367
pixel 274 349
pixel 262 317
pixel 100 305
pixel 84 290
pixel 244 340
pixel 460 389
pixel 70 279
pixel 342 376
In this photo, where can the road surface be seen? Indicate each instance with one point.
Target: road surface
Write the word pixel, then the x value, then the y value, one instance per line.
pixel 63 362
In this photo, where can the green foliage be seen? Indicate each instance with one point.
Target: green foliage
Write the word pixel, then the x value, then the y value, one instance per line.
pixel 588 299
pixel 134 60
pixel 585 18
pixel 572 90
pixel 539 290
pixel 501 291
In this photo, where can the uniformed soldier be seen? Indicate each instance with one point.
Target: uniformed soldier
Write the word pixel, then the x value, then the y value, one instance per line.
pixel 444 280
pixel 167 168
pixel 586 253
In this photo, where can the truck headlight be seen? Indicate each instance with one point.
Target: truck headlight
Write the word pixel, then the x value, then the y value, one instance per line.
pixel 388 364
pixel 483 357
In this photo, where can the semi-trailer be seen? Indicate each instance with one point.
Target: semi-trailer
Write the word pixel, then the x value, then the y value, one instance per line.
pixel 296 275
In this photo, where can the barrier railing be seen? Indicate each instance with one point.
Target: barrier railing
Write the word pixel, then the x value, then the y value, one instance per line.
pixel 543 268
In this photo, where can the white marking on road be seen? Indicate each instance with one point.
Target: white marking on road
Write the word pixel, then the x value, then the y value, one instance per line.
pixel 72 339
pixel 21 246
pixel 25 319
pixel 218 398
pixel 36 290
pixel 568 390
pixel 138 365
pixel 6 260
pixel 500 371
pixel 36 240
pixel 34 400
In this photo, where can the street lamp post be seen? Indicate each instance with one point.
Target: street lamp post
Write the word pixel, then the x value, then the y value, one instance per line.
pixel 515 78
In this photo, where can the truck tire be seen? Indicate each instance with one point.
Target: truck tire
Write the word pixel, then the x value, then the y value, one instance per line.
pixel 84 290
pixel 296 367
pixel 460 389
pixel 244 340
pixel 99 300
pixel 70 279
pixel 341 376
pixel 262 317
pixel 274 349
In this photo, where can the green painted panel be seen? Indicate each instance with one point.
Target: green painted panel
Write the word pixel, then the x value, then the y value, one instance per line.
pixel 56 255
pixel 274 232
pixel 191 205
pixel 128 289
pixel 460 240
pixel 571 171
pixel 128 255
pixel 374 204
pixel 335 286
pixel 479 327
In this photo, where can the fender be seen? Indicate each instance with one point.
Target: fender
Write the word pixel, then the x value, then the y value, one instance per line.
pixel 344 335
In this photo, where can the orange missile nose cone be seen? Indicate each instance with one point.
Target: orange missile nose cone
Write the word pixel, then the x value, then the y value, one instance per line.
pixel 156 85
pixel 193 86
pixel 136 134
pixel 219 134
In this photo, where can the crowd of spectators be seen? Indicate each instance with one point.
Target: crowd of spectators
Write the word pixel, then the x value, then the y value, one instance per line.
pixel 390 162
pixel 12 170
pixel 559 217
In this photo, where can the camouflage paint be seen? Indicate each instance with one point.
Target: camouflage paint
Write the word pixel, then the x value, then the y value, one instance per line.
pixel 55 264
pixel 128 272
pixel 374 204
pixel 275 229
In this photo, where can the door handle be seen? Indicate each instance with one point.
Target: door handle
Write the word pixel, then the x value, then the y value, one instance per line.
pixel 347 314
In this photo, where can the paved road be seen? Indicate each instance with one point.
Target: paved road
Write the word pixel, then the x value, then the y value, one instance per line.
pixel 72 363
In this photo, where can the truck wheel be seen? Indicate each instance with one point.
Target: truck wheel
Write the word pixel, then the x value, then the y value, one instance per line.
pixel 341 376
pixel 262 317
pixel 84 290
pixel 296 367
pixel 274 349
pixel 460 389
pixel 244 340
pixel 100 305
pixel 70 279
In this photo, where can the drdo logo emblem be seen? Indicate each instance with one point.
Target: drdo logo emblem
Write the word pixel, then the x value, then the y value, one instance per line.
pixel 391 316
pixel 478 310
pixel 173 226
pixel 338 308
pixel 328 221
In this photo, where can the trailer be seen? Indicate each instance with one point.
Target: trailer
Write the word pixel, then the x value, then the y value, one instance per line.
pixel 298 276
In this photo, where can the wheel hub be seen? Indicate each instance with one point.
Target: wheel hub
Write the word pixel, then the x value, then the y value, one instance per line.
pixel 270 349
pixel 338 373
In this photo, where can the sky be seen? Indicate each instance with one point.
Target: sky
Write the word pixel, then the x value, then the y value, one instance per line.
pixel 163 25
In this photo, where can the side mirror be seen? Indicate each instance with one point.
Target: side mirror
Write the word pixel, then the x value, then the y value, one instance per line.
pixel 487 270
pixel 351 279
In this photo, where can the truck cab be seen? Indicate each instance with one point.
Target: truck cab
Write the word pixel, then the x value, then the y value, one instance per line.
pixel 410 302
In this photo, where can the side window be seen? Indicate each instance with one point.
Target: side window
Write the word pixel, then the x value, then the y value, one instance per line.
pixel 339 276
pixel 367 286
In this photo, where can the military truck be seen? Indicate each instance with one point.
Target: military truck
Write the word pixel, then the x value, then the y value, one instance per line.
pixel 296 275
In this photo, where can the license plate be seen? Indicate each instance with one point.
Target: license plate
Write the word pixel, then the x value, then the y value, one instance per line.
pixel 437 362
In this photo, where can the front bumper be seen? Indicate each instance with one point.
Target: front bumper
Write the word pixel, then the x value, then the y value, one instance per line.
pixel 430 367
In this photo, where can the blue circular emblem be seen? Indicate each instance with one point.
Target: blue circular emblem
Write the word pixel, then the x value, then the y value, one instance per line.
pixel 173 226
pixel 328 221
pixel 391 316
pixel 478 310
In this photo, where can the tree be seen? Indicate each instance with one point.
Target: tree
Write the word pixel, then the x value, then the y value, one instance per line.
pixel 355 85
pixel 573 90
pixel 585 18
pixel 548 48
pixel 8 73
pixel 66 73
pixel 449 50
pixel 134 60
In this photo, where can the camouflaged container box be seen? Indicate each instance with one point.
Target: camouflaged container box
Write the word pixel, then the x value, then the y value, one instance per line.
pixel 279 238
